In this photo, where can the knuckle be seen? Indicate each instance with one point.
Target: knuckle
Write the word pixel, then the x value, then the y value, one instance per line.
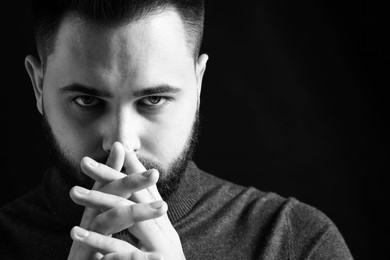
pixel 103 242
pixel 141 212
pixel 99 223
pixel 130 212
pixel 122 202
pixel 155 256
pixel 111 243
pixel 118 257
pixel 126 182
pixel 113 214
pixel 137 255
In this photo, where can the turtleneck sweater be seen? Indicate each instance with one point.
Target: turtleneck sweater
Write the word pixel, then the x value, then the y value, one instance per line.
pixel 214 218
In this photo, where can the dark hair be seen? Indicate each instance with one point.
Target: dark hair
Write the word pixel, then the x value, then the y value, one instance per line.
pixel 48 15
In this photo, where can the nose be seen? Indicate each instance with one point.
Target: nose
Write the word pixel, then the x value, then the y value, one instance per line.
pixel 123 126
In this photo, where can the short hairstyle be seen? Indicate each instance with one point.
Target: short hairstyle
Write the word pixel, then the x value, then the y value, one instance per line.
pixel 49 14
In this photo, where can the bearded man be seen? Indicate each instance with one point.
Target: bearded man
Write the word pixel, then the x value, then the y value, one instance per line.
pixel 118 85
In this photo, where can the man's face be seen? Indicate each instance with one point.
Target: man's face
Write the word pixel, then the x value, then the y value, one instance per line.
pixel 136 84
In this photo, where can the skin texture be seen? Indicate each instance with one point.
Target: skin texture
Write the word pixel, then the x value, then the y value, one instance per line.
pixel 122 117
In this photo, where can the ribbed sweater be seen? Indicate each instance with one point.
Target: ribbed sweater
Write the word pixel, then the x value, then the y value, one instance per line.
pixel 214 218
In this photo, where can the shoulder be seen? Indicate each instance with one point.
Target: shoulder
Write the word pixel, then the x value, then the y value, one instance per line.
pixel 284 227
pixel 226 192
pixel 28 213
pixel 27 225
pixel 13 218
pixel 24 207
pixel 314 234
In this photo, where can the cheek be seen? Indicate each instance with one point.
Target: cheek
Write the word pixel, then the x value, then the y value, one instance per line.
pixel 75 140
pixel 167 139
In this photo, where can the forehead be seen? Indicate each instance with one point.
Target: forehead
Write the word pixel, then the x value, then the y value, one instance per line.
pixel 153 44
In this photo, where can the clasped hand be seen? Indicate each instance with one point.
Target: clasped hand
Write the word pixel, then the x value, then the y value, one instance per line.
pixel 121 201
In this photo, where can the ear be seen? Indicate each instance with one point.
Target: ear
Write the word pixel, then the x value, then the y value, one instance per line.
pixel 35 71
pixel 200 69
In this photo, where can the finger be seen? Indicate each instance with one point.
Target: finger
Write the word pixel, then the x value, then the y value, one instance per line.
pixel 88 216
pixel 125 186
pixel 155 256
pixel 97 199
pixel 133 165
pixel 116 157
pixel 89 213
pixel 99 171
pixel 98 242
pixel 124 256
pixel 120 218
pixel 156 234
pixel 115 160
pixel 80 251
pixel 133 256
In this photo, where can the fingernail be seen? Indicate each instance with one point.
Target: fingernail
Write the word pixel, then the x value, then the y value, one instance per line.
pixel 157 204
pixel 81 233
pixel 147 173
pixel 117 143
pixel 81 190
pixel 93 163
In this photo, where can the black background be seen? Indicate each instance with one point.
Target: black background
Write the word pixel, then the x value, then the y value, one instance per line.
pixel 294 101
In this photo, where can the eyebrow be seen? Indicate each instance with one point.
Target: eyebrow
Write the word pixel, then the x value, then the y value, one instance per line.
pixel 76 87
pixel 160 89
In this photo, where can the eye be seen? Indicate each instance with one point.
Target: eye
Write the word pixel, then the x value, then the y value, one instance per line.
pixel 154 100
pixel 86 101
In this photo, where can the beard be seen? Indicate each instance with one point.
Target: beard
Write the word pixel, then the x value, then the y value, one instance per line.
pixel 170 177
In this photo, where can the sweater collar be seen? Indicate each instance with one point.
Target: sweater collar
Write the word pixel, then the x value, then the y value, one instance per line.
pixel 57 185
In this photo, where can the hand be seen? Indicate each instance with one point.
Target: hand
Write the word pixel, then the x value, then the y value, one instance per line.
pixel 108 211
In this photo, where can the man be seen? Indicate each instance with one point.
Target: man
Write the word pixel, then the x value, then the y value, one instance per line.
pixel 118 85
